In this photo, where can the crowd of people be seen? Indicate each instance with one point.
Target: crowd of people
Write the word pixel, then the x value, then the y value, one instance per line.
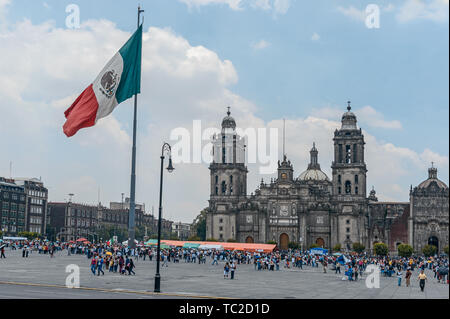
pixel 118 258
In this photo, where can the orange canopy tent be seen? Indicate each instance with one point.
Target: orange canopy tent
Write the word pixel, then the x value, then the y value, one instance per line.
pixel 82 239
pixel 227 246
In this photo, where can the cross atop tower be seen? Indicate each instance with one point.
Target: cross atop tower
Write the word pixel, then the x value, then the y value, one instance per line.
pixel 229 112
pixel 349 107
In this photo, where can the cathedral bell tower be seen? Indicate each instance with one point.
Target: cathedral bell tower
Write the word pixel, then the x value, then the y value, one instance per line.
pixel 349 168
pixel 228 170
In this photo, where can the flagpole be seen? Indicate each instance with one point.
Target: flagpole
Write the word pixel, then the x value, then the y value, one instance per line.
pixel 131 219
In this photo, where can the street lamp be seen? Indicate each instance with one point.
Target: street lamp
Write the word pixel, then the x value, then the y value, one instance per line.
pixel 165 149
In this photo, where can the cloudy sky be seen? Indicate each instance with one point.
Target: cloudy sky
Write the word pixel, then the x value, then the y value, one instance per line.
pixel 268 59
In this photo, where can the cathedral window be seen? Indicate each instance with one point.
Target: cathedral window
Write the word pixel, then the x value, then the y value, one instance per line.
pixel 348 154
pixel 224 188
pixel 217 190
pixel 339 190
pixel 231 184
pixel 217 179
pixel 356 179
pixel 356 190
pixel 355 160
pixel 348 187
pixel 221 228
pixel 221 220
pixel 340 159
pixel 348 229
pixel 347 221
pixel 339 179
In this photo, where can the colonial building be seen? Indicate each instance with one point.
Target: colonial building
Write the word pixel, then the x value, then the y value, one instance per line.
pixel 314 209
pixel 72 220
pixel 23 204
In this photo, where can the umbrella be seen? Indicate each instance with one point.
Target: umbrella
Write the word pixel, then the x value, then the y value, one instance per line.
pixel 109 253
pixel 337 254
pixel 2 246
pixel 86 242
pixel 82 239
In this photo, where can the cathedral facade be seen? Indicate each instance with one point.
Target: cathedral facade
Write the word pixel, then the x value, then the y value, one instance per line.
pixel 314 209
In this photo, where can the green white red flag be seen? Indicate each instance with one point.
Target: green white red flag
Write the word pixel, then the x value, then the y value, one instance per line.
pixel 119 80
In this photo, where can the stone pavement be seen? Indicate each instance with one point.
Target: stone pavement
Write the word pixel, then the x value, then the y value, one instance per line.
pixel 206 280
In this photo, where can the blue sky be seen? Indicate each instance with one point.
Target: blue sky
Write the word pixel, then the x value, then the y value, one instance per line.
pixel 291 59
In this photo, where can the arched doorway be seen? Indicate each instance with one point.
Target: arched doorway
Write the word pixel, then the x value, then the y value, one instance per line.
pixel 433 240
pixel 320 242
pixel 249 240
pixel 284 241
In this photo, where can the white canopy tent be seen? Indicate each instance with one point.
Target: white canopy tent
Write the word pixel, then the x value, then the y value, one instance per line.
pixel 209 246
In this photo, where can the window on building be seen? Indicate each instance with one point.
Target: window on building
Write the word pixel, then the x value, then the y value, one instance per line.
pixel 347 221
pixel 221 236
pixel 217 190
pixel 356 179
pixel 217 179
pixel 348 154
pixel 340 157
pixel 347 229
pixel 356 190
pixel 348 187
pixel 339 190
pixel 355 159
pixel 221 220
pixel 339 179
pixel 224 188
pixel 348 237
pixel 221 228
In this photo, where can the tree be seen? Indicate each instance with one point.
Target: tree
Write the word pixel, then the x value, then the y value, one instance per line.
pixel 231 240
pixel 211 239
pixel 272 242
pixel 405 250
pixel 429 250
pixel 199 225
pixel 358 247
pixel 1 233
pixel 380 249
pixel 194 238
pixel 30 235
pixel 293 245
pixel 337 247
pixel 446 250
pixel 314 246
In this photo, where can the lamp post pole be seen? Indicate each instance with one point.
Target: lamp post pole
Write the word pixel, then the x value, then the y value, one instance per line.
pixel 166 148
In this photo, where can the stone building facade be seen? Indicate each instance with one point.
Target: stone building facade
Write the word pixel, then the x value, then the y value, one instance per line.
pixel 314 209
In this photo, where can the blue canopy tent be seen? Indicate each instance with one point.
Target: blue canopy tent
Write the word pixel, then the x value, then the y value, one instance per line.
pixel 318 251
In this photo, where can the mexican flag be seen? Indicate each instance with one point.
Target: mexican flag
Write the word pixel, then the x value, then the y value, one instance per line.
pixel 119 80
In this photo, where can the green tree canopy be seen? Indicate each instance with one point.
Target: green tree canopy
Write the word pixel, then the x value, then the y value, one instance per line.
pixel 358 247
pixel 446 250
pixel 199 225
pixel 405 250
pixel 429 250
pixel 337 247
pixel 380 249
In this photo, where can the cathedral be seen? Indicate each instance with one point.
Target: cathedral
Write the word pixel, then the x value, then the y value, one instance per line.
pixel 314 209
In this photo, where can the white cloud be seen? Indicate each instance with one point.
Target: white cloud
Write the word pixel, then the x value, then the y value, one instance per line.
pixel 371 117
pixel 367 115
pixel 353 13
pixel 262 44
pixel 46 5
pixel 277 6
pixel 435 10
pixel 315 36
pixel 281 6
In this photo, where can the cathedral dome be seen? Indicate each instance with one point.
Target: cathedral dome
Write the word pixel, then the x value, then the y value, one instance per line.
pixel 432 178
pixel 349 119
pixel 228 121
pixel 313 173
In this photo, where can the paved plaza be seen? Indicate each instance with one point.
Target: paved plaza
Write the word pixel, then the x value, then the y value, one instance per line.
pixel 39 276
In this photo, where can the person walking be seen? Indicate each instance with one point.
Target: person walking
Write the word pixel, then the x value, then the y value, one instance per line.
pixel 399 277
pixel 422 278
pixel 338 267
pixel 100 266
pixel 408 277
pixel 226 270
pixel 93 265
pixel 232 269
pixel 130 267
